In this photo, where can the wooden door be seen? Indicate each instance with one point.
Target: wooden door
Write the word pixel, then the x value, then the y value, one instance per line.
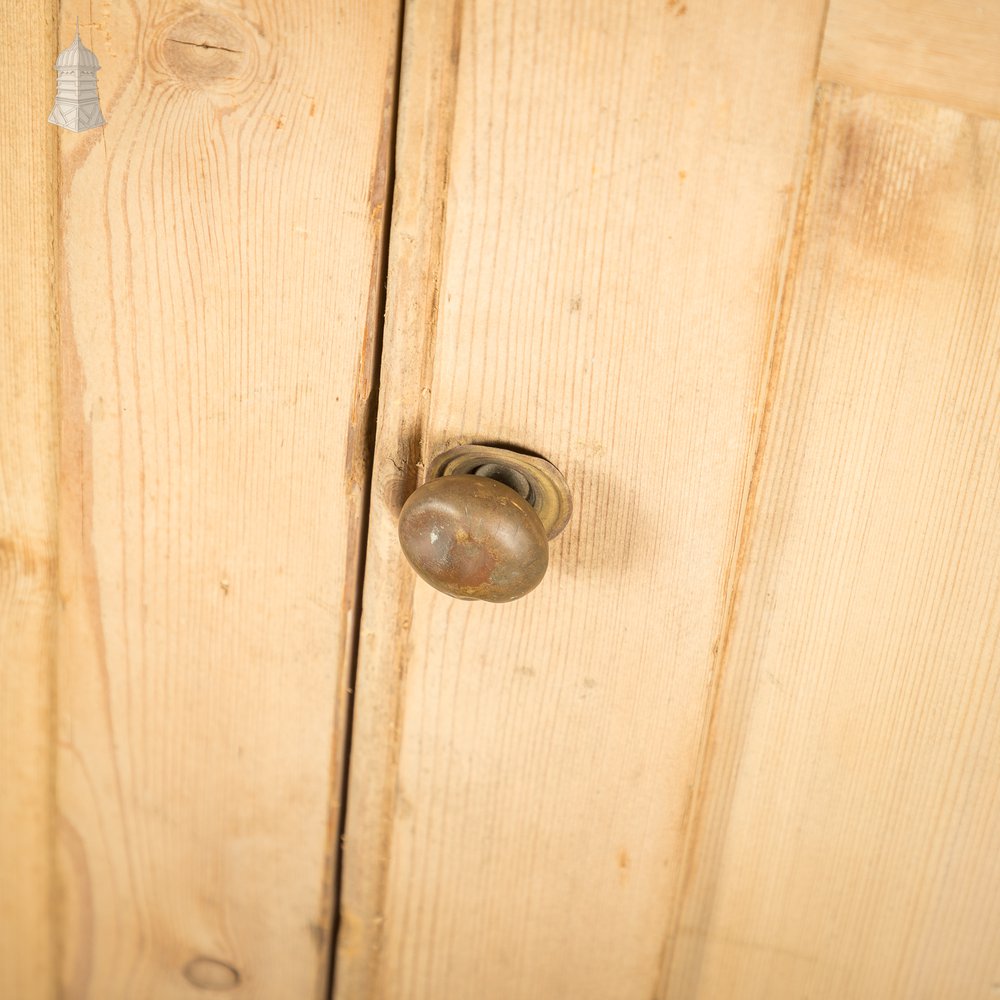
pixel 734 268
pixel 191 308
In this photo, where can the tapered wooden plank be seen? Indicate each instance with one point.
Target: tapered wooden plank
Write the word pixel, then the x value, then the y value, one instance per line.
pixel 589 228
pixel 220 290
pixel 28 469
pixel 943 50
pixel 845 842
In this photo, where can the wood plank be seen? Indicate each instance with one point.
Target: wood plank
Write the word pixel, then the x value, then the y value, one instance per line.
pixel 589 227
pixel 942 50
pixel 846 835
pixel 220 309
pixel 28 470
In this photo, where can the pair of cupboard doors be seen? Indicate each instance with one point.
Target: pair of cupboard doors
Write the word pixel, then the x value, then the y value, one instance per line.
pixel 734 268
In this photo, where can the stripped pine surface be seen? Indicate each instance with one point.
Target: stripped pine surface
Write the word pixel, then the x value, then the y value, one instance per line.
pixel 743 741
pixel 219 309
pixel 28 470
pixel 589 230
pixel 846 829
pixel 942 50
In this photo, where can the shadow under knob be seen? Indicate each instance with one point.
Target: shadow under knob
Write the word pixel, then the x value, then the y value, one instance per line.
pixel 474 538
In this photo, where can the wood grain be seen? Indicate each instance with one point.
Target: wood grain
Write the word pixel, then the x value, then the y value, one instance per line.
pixel 222 246
pixel 849 814
pixel 589 230
pixel 28 470
pixel 942 50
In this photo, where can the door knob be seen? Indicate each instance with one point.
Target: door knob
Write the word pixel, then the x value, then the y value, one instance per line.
pixel 479 527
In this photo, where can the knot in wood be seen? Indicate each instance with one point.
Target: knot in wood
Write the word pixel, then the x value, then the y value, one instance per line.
pixel 211 974
pixel 208 50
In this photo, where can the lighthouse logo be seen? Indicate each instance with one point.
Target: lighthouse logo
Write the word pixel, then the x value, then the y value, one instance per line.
pixel 76 106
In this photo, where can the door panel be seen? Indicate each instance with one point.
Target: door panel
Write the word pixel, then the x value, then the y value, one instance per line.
pixel 846 841
pixel 589 231
pixel 221 245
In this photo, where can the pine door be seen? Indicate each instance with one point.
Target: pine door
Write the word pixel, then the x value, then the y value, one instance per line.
pixel 734 269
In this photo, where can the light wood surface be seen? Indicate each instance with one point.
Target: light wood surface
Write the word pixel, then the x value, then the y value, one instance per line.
pixel 744 739
pixel 846 831
pixel 219 309
pixel 28 468
pixel 942 50
pixel 590 225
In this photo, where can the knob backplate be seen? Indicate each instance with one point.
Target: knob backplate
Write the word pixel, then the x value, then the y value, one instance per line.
pixel 535 479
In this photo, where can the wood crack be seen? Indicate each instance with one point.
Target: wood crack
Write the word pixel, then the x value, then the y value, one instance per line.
pixel 205 45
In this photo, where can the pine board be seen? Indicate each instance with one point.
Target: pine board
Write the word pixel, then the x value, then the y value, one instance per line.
pixel 219 309
pixel 590 225
pixel 942 50
pixel 28 470
pixel 846 830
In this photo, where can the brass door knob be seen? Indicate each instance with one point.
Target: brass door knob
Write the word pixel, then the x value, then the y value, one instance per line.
pixel 479 527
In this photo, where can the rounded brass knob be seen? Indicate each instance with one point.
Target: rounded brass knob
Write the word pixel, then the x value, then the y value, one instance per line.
pixel 479 528
pixel 475 538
